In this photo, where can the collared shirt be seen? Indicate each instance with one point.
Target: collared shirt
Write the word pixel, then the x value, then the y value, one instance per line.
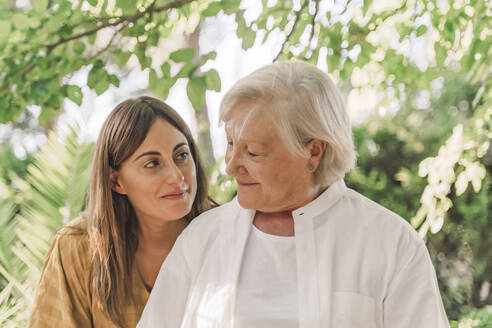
pixel 358 265
pixel 64 298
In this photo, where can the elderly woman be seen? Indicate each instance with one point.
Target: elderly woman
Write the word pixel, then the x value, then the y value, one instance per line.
pixel 296 248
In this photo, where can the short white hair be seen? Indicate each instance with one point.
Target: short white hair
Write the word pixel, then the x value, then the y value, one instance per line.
pixel 306 105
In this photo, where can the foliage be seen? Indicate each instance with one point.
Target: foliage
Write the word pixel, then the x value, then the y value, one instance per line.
pixel 481 318
pixel 369 44
pixel 222 188
pixel 44 45
pixel 51 192
pixel 390 149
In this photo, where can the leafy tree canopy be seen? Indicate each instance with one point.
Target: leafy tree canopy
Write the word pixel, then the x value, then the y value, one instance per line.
pixel 360 42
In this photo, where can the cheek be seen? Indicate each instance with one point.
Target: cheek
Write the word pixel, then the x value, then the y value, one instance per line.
pixel 227 157
pixel 190 176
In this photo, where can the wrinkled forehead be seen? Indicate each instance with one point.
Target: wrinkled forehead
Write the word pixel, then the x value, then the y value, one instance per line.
pixel 249 119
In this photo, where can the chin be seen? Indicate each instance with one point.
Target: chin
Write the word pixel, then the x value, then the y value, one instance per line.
pixel 179 213
pixel 247 203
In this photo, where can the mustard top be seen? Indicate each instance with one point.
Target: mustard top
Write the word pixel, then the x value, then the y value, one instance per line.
pixel 64 297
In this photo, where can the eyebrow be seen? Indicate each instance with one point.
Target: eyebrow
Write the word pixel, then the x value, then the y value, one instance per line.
pixel 156 153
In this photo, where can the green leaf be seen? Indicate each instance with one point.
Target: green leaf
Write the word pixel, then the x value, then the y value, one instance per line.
pixel 441 53
pixel 449 26
pixel 333 62
pixel 208 56
pixel 127 5
pixel 160 87
pixel 212 9
pixel 212 80
pixel 47 114
pixel 40 6
pixel 196 92
pixel 101 86
pixel 421 30
pixel 182 55
pixel 5 27
pixel 21 21
pixel 166 70
pixel 404 31
pixel 121 58
pixel 65 6
pixel 113 79
pixel 248 39
pixel 78 47
pixel 98 78
pixel 367 3
pixel 91 38
pixel 153 81
pixel 92 2
pixel 300 28
pixel 74 93
pixel 243 32
pixel 186 71
pixel 230 6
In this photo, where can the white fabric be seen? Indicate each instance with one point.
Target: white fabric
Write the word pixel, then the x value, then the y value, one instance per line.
pixel 358 265
pixel 267 288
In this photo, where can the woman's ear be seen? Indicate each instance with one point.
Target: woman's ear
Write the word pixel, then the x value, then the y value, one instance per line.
pixel 317 148
pixel 115 185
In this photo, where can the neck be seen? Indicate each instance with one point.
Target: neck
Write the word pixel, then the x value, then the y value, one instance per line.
pixel 159 237
pixel 286 212
pixel 281 222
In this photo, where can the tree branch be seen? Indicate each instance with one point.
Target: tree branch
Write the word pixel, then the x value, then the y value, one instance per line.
pixel 298 14
pixel 120 20
pixel 313 22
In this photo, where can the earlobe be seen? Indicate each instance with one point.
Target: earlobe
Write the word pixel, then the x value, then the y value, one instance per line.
pixel 115 185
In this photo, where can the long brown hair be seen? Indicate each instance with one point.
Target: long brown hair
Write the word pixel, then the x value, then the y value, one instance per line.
pixel 112 223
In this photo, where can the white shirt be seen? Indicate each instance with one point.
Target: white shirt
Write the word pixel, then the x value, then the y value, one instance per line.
pixel 267 288
pixel 358 265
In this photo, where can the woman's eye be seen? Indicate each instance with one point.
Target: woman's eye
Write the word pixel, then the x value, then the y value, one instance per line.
pixel 252 154
pixel 183 156
pixel 229 143
pixel 151 164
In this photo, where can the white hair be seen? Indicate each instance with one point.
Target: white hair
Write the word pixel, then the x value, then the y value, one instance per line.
pixel 305 105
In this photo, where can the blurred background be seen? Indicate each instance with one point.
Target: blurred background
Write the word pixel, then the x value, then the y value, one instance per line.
pixel 415 75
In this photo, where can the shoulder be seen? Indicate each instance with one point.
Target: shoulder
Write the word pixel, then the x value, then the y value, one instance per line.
pixel 74 231
pixel 76 227
pixel 210 221
pixel 71 245
pixel 380 221
pixel 200 236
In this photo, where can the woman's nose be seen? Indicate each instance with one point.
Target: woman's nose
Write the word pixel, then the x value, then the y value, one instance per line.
pixel 174 175
pixel 233 163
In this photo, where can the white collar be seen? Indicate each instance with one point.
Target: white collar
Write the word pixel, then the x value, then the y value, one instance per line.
pixel 323 202
pixel 318 205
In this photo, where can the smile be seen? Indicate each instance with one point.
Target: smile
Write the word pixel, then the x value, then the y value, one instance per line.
pixel 174 196
pixel 244 184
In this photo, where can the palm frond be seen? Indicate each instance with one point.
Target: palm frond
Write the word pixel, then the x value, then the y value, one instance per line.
pixel 53 193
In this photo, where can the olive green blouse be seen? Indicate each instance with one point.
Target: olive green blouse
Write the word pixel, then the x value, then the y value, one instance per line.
pixel 64 297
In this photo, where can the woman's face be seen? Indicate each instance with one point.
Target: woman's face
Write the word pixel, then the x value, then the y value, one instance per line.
pixel 270 178
pixel 159 178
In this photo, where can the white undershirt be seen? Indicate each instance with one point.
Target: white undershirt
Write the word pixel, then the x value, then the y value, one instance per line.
pixel 267 289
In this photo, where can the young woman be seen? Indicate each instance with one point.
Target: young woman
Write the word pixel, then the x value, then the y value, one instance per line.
pixel 147 184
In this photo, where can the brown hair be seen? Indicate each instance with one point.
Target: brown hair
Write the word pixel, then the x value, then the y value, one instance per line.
pixel 112 224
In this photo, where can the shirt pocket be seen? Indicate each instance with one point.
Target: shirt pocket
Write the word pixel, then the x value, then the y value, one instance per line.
pixel 353 310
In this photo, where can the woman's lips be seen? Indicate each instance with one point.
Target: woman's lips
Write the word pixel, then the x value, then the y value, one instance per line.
pixel 174 196
pixel 246 184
